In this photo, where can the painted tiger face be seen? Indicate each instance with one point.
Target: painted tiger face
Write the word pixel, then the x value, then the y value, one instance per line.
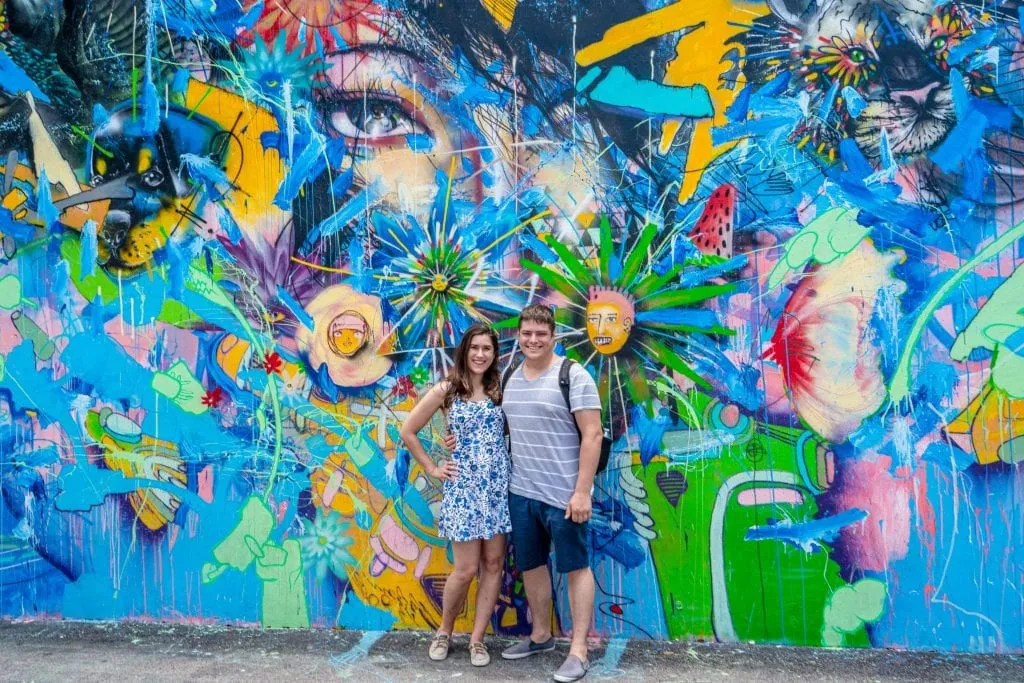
pixel 158 200
pixel 880 72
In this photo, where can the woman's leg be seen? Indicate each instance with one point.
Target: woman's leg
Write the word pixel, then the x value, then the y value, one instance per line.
pixel 492 561
pixel 467 558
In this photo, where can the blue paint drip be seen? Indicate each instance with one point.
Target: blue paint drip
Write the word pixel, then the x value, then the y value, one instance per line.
pixel 44 202
pixel 90 248
pixel 808 536
pixel 228 224
pixel 420 142
pixel 21 232
pixel 84 486
pixel 885 151
pixel 608 665
pixel 699 276
pixel 341 184
pixel 39 391
pixel 307 166
pixel 336 222
pixel 740 107
pixel 971 46
pixel 15 81
pixel 830 99
pixel 150 100
pixel 179 84
pixel 651 431
pixel 203 169
pixel 964 140
pixel 854 102
pixel 679 316
pixel 858 167
pixel 296 309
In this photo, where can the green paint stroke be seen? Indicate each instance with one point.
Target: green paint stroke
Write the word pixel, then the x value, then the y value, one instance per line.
pixel 899 389
pixel 849 608
pixel 135 91
pixel 10 292
pixel 279 567
pixel 284 586
pixel 1001 316
pixel 182 387
pixel 95 145
pixel 828 237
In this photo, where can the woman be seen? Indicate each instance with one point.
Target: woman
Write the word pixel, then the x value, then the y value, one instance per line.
pixel 474 505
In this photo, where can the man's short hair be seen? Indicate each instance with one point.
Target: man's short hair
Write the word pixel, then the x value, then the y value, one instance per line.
pixel 538 313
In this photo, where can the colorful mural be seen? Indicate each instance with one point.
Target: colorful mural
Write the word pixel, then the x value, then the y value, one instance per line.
pixel 240 239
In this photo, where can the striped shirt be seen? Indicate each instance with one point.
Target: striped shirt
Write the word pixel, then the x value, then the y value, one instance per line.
pixel 545 443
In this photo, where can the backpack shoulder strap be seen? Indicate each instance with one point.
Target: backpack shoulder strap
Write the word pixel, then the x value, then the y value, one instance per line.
pixel 565 381
pixel 508 375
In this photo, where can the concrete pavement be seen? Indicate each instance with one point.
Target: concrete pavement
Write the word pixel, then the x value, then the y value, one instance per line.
pixel 76 651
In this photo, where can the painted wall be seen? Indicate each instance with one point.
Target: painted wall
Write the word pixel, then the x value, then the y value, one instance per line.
pixel 240 240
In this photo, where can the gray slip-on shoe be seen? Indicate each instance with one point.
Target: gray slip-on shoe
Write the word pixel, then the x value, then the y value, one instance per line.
pixel 527 647
pixel 573 669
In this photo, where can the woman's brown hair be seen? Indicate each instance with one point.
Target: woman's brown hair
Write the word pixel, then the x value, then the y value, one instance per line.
pixel 459 383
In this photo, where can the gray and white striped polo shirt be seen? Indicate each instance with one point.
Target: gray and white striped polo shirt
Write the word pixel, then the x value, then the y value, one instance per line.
pixel 545 444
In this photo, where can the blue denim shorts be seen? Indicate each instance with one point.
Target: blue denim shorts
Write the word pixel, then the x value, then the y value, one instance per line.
pixel 536 525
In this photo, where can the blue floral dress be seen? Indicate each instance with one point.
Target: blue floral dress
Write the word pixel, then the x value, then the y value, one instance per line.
pixel 475 505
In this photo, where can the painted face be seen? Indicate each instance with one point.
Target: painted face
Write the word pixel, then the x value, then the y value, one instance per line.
pixel 347 334
pixel 481 354
pixel 407 108
pixel 609 320
pixel 536 340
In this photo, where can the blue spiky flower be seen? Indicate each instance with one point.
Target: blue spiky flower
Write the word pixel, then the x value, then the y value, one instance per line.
pixel 262 72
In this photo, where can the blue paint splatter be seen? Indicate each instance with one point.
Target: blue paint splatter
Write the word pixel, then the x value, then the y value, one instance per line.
pixel 622 92
pixel 808 536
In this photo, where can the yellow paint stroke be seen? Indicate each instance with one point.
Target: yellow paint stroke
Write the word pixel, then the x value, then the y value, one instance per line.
pixel 46 155
pixel 699 59
pixel 988 426
pixel 537 216
pixel 503 11
pixel 317 266
pixel 255 171
pixel 447 201
pixel 631 33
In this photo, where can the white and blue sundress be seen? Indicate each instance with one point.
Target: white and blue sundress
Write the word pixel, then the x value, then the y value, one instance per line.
pixel 475 505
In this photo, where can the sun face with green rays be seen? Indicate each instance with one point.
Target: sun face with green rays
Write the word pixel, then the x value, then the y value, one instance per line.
pixel 628 315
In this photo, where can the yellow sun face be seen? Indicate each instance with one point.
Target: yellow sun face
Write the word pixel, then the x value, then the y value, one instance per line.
pixel 607 326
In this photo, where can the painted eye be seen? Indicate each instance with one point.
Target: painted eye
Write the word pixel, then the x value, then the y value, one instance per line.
pixel 153 177
pixel 857 55
pixel 940 43
pixel 373 119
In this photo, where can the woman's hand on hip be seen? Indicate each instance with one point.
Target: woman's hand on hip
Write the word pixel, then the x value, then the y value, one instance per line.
pixel 446 470
pixel 450 442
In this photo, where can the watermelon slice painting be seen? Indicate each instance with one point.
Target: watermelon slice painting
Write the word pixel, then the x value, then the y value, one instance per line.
pixel 712 234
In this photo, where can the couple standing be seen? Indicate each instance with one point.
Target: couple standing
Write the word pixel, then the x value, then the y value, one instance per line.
pixel 547 498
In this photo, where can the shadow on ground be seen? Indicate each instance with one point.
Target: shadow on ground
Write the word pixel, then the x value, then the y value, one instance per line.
pixel 50 651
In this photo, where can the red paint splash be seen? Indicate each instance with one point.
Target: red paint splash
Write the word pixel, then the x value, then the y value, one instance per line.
pixel 213 397
pixel 272 363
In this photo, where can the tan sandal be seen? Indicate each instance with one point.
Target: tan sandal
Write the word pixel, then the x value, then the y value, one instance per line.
pixel 478 655
pixel 439 647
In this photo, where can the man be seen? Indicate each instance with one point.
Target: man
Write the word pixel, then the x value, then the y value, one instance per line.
pixel 553 468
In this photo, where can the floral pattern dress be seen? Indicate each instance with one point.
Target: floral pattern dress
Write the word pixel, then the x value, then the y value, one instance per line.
pixel 475 505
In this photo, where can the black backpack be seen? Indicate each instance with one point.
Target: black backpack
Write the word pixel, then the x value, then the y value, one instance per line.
pixel 563 383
